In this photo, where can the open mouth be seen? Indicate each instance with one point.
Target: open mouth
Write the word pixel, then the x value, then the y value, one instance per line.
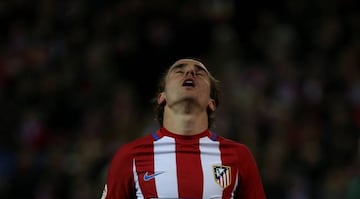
pixel 188 83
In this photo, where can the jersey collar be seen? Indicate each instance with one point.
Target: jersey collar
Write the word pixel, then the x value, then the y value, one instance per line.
pixel 164 132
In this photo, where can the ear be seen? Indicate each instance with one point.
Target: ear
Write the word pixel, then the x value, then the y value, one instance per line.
pixel 161 98
pixel 212 105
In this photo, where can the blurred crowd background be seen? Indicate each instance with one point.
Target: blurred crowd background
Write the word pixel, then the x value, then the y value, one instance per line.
pixel 77 80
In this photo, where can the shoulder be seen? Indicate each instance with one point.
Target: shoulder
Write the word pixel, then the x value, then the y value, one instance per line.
pixel 231 143
pixel 234 146
pixel 129 150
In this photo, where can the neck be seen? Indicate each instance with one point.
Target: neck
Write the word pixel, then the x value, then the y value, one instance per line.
pixel 185 121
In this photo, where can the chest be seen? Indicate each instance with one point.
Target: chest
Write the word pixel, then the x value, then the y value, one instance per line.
pixel 186 170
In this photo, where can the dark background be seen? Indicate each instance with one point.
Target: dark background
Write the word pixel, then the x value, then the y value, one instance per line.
pixel 77 78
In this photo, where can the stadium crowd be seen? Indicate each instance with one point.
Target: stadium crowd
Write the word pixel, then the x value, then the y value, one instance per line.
pixel 77 79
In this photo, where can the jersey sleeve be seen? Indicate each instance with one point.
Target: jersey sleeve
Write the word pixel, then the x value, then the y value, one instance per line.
pixel 120 180
pixel 250 181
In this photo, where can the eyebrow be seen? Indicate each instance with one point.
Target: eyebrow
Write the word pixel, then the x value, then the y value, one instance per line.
pixel 183 65
pixel 177 66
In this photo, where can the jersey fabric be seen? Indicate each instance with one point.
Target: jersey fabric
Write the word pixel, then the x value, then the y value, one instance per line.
pixel 168 165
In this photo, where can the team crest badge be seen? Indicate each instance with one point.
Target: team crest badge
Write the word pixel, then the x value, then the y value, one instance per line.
pixel 222 175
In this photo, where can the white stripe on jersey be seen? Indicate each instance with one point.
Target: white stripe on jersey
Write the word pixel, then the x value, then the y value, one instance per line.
pixel 136 180
pixel 210 155
pixel 236 184
pixel 165 159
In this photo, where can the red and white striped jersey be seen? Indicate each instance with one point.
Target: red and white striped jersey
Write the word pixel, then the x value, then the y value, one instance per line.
pixel 167 165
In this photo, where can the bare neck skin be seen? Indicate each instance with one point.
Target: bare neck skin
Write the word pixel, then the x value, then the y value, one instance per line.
pixel 185 118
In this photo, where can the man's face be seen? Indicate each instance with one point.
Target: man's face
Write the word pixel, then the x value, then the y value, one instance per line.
pixel 187 80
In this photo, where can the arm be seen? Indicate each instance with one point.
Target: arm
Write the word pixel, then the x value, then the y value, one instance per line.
pixel 250 184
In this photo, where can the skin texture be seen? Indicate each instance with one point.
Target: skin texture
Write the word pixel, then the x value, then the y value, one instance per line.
pixel 186 106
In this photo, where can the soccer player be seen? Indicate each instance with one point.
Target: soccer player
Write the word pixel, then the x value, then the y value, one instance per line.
pixel 184 158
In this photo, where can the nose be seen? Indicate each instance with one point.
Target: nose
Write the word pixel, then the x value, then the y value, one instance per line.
pixel 190 71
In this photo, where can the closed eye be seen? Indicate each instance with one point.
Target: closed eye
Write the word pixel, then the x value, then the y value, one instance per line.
pixel 200 73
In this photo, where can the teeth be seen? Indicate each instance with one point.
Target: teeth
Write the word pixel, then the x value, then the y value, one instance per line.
pixel 188 83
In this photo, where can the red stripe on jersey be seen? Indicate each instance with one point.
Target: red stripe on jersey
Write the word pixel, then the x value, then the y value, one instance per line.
pixel 145 165
pixel 228 159
pixel 189 170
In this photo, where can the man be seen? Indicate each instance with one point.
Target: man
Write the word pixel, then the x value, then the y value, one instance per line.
pixel 184 159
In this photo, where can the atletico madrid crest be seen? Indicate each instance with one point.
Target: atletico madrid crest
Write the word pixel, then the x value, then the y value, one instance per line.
pixel 222 175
